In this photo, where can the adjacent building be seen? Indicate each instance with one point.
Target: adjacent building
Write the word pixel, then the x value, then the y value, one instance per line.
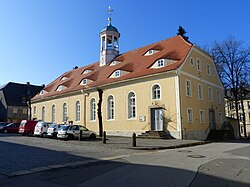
pixel 230 108
pixel 14 99
pixel 170 86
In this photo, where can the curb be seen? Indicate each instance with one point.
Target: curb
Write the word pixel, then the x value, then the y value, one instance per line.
pixel 171 146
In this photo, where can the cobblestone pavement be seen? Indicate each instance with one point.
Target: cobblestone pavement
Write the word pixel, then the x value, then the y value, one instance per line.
pixel 23 154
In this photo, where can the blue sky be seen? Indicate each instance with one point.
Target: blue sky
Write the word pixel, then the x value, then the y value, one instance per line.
pixel 41 39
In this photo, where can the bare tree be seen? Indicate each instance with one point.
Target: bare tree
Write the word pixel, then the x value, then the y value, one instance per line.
pixel 232 62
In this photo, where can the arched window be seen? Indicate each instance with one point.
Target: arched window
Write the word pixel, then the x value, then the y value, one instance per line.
pixel 156 91
pixel 43 113
pixel 53 114
pixel 34 110
pixel 131 105
pixel 65 112
pixel 111 107
pixel 78 110
pixel 92 109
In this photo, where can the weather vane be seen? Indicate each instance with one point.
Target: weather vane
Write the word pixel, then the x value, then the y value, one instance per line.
pixel 110 10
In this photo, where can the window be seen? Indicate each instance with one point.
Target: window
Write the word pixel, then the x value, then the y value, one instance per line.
pixel 192 61
pixel 208 69
pixel 111 107
pixel 248 104
pixel 189 115
pixel 239 106
pixel 34 110
pixel 86 71
pixel 160 63
pixel 188 88
pixel 241 117
pixel 25 111
pixel 43 113
pixel 131 105
pixel 218 97
pixel 198 63
pixel 220 117
pixel 78 110
pixel 156 91
pixel 65 112
pixel 60 88
pixel 64 78
pixel 84 81
pixel 231 105
pixel 200 91
pixel 114 63
pixel 92 109
pixel 210 94
pixel 53 114
pixel 202 116
pixel 117 73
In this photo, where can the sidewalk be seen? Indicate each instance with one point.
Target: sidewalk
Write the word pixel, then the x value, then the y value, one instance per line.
pixel 152 144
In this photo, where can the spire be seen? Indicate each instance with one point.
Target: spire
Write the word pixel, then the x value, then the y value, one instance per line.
pixel 110 10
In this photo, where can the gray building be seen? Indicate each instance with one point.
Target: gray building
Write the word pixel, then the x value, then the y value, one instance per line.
pixel 14 101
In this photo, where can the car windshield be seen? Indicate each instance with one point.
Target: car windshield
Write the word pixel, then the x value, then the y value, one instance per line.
pixel 39 124
pixel 3 124
pixel 53 126
pixel 64 127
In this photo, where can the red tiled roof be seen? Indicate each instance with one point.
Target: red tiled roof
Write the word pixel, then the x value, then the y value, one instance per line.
pixel 138 65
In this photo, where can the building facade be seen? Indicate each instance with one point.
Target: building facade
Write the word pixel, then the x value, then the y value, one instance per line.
pixel 170 86
pixel 14 99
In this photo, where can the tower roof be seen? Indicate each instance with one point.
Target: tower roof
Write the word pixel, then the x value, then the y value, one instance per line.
pixel 110 27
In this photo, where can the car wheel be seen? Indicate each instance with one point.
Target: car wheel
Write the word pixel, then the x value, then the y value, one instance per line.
pixel 44 135
pixel 70 137
pixel 92 136
pixel 5 131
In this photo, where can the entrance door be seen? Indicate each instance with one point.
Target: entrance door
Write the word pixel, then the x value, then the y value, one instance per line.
pixel 212 119
pixel 157 119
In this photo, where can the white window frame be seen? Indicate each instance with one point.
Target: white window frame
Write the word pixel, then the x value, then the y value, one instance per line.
pixel 84 81
pixel 156 92
pixel 200 92
pixel 131 106
pixel 65 112
pixel 188 88
pixel 110 107
pixel 189 115
pixel 202 116
pixel 160 63
pixel 93 109
pixel 53 113
pixel 117 73
pixel 78 110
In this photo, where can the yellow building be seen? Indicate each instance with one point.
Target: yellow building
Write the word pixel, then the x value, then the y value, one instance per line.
pixel 169 86
pixel 230 109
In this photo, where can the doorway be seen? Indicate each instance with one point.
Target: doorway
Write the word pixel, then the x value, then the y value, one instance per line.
pixel 212 119
pixel 156 119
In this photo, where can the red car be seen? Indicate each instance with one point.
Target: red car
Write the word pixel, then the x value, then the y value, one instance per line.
pixel 27 127
pixel 10 128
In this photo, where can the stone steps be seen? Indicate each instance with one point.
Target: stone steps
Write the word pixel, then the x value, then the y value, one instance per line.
pixel 155 135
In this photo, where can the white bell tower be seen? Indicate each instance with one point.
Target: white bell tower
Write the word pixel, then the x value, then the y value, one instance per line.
pixel 109 42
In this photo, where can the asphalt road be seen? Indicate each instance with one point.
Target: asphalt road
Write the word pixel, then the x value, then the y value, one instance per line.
pixel 215 164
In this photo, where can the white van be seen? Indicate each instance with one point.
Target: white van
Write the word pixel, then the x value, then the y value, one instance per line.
pixel 41 129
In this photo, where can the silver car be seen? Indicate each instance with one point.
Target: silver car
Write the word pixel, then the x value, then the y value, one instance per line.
pixel 73 132
pixel 53 130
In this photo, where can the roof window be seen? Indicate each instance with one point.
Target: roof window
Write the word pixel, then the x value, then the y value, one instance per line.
pixel 42 92
pixel 86 71
pixel 151 52
pixel 114 63
pixel 64 78
pixel 60 88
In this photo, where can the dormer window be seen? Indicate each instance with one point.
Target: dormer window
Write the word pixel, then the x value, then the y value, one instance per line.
pixel 150 52
pixel 84 81
pixel 160 63
pixel 86 71
pixel 117 73
pixel 64 78
pixel 114 63
pixel 42 92
pixel 60 88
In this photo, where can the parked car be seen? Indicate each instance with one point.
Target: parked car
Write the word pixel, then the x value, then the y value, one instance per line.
pixel 53 130
pixel 73 132
pixel 27 127
pixel 2 124
pixel 41 129
pixel 10 128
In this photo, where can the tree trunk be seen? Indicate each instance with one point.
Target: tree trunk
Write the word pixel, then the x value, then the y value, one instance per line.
pixel 244 118
pixel 99 112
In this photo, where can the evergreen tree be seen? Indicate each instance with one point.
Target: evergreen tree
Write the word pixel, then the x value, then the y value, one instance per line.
pixel 182 32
